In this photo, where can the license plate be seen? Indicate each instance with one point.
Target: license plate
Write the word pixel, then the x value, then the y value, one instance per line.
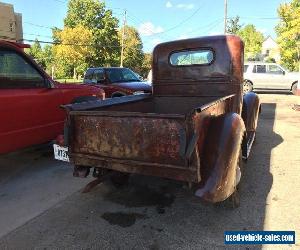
pixel 61 153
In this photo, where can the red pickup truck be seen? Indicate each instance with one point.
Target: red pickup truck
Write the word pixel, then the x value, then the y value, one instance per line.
pixel 30 100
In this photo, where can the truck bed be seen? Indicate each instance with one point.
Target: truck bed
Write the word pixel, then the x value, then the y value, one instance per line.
pixel 155 132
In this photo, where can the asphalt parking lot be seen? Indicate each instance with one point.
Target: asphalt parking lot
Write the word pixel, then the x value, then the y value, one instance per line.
pixel 42 206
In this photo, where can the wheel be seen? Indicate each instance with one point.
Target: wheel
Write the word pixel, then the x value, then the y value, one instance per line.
pixel 294 88
pixel 81 171
pixel 247 86
pixel 232 202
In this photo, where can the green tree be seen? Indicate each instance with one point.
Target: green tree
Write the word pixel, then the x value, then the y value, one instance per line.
pixel 253 40
pixel 233 25
pixel 36 52
pixel 93 15
pixel 288 34
pixel 48 58
pixel 146 65
pixel 74 49
pixel 133 49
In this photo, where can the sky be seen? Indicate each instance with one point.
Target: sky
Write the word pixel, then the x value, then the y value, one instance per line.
pixel 157 20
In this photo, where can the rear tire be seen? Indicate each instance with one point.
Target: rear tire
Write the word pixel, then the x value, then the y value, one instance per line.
pixel 247 86
pixel 81 171
pixel 294 88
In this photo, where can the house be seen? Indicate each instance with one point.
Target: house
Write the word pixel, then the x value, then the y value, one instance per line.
pixel 10 24
pixel 271 49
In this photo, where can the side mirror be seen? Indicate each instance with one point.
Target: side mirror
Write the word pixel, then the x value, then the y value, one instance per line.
pixel 283 72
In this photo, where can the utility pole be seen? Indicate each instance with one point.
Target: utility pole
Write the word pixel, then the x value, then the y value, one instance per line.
pixel 123 38
pixel 225 16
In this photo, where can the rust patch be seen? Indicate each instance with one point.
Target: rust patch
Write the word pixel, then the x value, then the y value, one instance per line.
pixel 133 138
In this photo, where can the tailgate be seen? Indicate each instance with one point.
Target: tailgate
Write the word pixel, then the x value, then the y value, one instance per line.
pixel 146 138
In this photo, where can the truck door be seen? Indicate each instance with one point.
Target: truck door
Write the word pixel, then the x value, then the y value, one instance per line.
pixel 29 108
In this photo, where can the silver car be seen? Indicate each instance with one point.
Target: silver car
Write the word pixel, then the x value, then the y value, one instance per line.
pixel 269 76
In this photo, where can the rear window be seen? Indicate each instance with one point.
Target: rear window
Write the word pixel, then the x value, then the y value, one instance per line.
pixel 246 68
pixel 191 57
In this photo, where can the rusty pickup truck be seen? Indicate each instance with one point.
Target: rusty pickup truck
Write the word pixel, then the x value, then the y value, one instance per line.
pixel 196 126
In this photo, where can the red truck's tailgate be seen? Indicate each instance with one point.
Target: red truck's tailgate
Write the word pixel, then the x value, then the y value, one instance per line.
pixel 146 138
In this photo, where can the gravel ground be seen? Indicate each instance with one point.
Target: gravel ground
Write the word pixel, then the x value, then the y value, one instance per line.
pixel 152 213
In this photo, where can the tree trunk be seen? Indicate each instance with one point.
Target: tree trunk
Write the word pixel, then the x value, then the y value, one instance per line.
pixel 74 74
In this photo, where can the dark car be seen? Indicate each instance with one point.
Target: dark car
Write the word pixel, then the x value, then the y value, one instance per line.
pixel 117 82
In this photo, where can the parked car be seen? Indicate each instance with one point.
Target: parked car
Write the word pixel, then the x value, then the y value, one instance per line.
pixel 196 127
pixel 117 82
pixel 269 76
pixel 30 100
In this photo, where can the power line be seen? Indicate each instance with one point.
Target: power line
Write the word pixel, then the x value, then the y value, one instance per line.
pixel 209 26
pixel 180 23
pixel 225 16
pixel 264 18
pixel 146 28
pixel 60 1
pixel 30 34
pixel 38 25
pixel 72 44
pixel 184 21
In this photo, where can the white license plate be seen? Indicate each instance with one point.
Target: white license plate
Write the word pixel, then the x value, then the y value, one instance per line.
pixel 61 153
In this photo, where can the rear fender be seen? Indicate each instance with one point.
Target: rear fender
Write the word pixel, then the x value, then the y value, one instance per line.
pixel 219 157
